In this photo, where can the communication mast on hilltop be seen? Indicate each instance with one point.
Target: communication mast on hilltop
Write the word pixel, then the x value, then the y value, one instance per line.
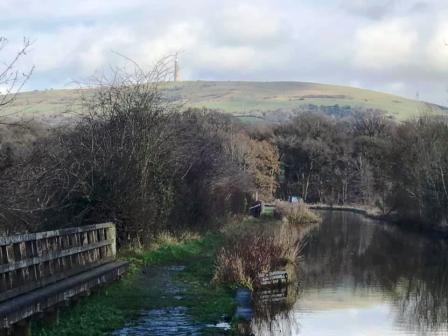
pixel 176 77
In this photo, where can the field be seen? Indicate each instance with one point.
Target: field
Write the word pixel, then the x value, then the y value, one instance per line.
pixel 271 101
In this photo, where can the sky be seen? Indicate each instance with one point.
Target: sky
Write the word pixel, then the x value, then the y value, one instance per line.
pixel 395 46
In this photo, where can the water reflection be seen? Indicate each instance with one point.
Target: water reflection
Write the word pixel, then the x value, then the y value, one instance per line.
pixel 273 313
pixel 360 277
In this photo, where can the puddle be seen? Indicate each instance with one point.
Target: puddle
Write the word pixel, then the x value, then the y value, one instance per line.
pixel 166 321
pixel 169 321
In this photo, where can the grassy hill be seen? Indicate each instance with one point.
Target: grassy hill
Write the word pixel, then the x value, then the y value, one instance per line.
pixel 254 98
pixel 268 100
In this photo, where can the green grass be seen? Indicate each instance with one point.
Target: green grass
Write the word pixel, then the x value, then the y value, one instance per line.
pixel 100 313
pixel 207 302
pixel 239 98
pixel 121 302
pixel 171 252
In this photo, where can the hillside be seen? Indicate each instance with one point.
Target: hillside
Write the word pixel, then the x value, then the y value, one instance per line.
pixel 257 98
pixel 272 101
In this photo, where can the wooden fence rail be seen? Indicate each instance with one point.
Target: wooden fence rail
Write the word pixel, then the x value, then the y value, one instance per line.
pixel 34 260
pixel 38 261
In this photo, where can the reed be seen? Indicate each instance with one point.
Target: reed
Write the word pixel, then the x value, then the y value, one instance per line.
pixel 297 214
pixel 255 247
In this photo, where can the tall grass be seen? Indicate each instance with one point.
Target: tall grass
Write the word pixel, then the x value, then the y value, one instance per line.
pixel 255 247
pixel 297 214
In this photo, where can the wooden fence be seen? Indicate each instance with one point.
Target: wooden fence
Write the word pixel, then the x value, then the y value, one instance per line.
pixel 30 261
pixel 40 271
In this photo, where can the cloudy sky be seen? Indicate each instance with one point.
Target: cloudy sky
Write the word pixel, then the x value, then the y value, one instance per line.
pixel 397 46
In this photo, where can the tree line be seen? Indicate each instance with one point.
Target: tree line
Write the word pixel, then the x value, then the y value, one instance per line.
pixel 369 159
pixel 150 165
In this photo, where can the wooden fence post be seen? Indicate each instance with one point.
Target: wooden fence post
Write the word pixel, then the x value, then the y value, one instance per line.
pixel 113 236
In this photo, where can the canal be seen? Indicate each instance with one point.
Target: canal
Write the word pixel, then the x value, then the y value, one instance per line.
pixel 359 276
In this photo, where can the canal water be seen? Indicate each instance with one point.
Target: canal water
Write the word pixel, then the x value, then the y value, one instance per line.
pixel 362 277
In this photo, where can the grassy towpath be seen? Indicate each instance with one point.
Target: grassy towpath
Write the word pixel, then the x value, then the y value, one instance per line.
pixel 172 281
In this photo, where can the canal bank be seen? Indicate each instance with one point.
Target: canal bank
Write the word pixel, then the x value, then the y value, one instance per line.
pixel 168 291
pixel 187 285
pixel 434 231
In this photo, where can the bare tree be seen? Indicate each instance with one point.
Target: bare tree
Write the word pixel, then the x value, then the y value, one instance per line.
pixel 12 78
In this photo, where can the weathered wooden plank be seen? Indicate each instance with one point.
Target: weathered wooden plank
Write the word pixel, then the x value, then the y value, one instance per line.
pixel 10 253
pixel 39 282
pixel 276 277
pixel 52 255
pixel 48 234
pixel 272 278
pixel 32 263
pixel 275 273
pixel 44 298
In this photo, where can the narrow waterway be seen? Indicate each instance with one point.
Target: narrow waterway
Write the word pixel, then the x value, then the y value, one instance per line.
pixel 363 277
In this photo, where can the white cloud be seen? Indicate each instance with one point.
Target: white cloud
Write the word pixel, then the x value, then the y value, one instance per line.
pixel 227 58
pixel 183 37
pixel 250 24
pixel 385 45
pixel 370 8
pixel 377 44
pixel 437 50
pixel 38 9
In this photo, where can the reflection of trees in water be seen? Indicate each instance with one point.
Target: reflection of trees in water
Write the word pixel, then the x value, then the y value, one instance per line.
pixel 273 317
pixel 422 295
pixel 412 270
